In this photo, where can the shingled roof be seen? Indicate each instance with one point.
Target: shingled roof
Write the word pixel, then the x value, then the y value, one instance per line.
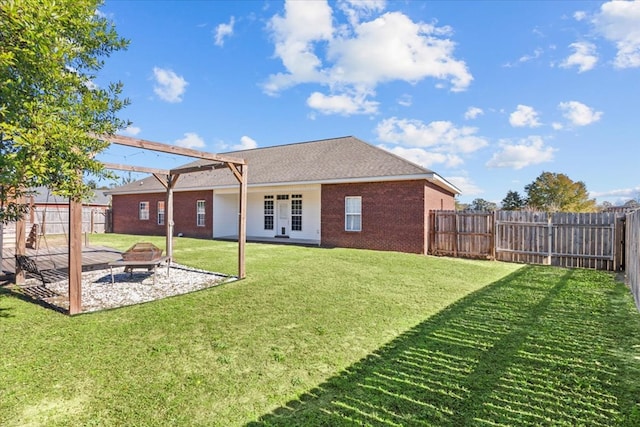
pixel 345 159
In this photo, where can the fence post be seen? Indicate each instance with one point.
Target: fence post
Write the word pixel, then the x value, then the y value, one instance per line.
pixel 455 234
pixel 493 235
pixel 549 239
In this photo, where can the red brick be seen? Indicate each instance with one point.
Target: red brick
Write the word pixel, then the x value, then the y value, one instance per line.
pixel 394 214
pixel 126 220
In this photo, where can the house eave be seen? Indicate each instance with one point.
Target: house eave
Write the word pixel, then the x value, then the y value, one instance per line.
pixel 434 178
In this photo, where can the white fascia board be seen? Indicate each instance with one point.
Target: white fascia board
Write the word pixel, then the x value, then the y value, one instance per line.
pixel 332 181
pixel 442 183
pixel 431 177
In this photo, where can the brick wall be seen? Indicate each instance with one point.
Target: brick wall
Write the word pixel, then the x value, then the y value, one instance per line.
pixel 394 214
pixel 125 214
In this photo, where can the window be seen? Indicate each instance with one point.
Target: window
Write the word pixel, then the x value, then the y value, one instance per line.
pixel 353 213
pixel 143 212
pixel 268 212
pixel 200 213
pixel 296 212
pixel 161 212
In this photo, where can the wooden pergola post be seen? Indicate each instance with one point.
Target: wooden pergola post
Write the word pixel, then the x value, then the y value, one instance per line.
pixel 242 222
pixel 168 209
pixel 21 244
pixel 75 256
pixel 237 165
pixel 168 182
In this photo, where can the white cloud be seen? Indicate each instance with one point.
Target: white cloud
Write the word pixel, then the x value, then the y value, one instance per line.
pixel 341 104
pixel 223 31
pixel 246 143
pixel 440 141
pixel 580 15
pixel 466 185
pixel 405 100
pixel 619 22
pixel 578 113
pixel 584 56
pixel 473 112
pixel 537 53
pixel 527 152
pixel 355 10
pixel 294 34
pixel 393 47
pixel 355 58
pixel 190 140
pixel 524 116
pixel 622 193
pixel 131 130
pixel 169 86
pixel 423 157
pixel 557 126
pixel 91 85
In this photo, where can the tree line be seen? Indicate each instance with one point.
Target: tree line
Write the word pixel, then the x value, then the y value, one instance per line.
pixel 549 192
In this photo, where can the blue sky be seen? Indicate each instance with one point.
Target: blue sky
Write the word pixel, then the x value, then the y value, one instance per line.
pixel 488 94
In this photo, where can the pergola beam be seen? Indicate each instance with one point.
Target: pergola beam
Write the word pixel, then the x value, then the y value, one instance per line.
pixel 170 149
pixel 141 169
pixel 199 168
pixel 237 165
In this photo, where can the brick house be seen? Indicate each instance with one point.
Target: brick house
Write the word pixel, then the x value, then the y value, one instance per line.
pixel 339 192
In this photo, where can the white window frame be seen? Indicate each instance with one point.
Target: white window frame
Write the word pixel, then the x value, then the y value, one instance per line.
pixel 143 211
pixel 296 212
pixel 201 213
pixel 353 213
pixel 161 212
pixel 269 209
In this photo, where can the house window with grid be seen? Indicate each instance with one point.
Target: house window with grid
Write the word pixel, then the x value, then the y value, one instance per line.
pixel 200 213
pixel 268 212
pixel 296 212
pixel 143 211
pixel 353 213
pixel 161 212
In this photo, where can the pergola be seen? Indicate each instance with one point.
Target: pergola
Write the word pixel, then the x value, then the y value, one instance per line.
pixel 168 178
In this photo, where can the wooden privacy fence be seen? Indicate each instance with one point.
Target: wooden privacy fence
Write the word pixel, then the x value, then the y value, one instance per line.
pixel 55 220
pixel 588 240
pixel 632 254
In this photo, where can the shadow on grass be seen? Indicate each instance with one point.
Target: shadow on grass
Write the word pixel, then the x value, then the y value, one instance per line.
pixel 543 346
pixel 4 312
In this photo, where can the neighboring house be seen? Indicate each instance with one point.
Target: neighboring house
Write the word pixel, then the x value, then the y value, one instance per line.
pixel 339 192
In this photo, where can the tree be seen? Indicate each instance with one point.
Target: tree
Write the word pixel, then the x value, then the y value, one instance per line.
pixel 556 192
pixel 513 201
pixel 50 108
pixel 632 204
pixel 482 205
pixel 461 206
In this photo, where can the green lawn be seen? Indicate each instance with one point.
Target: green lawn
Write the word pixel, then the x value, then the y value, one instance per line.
pixel 333 337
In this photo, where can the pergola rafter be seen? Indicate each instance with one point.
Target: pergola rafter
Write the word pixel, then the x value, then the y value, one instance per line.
pixel 168 178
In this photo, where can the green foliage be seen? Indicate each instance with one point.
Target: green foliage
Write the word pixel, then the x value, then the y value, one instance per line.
pixel 482 205
pixel 461 206
pixel 556 192
pixel 50 108
pixel 513 201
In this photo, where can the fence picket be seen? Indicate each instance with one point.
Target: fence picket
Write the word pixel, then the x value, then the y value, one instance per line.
pixel 564 239
pixel 632 253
